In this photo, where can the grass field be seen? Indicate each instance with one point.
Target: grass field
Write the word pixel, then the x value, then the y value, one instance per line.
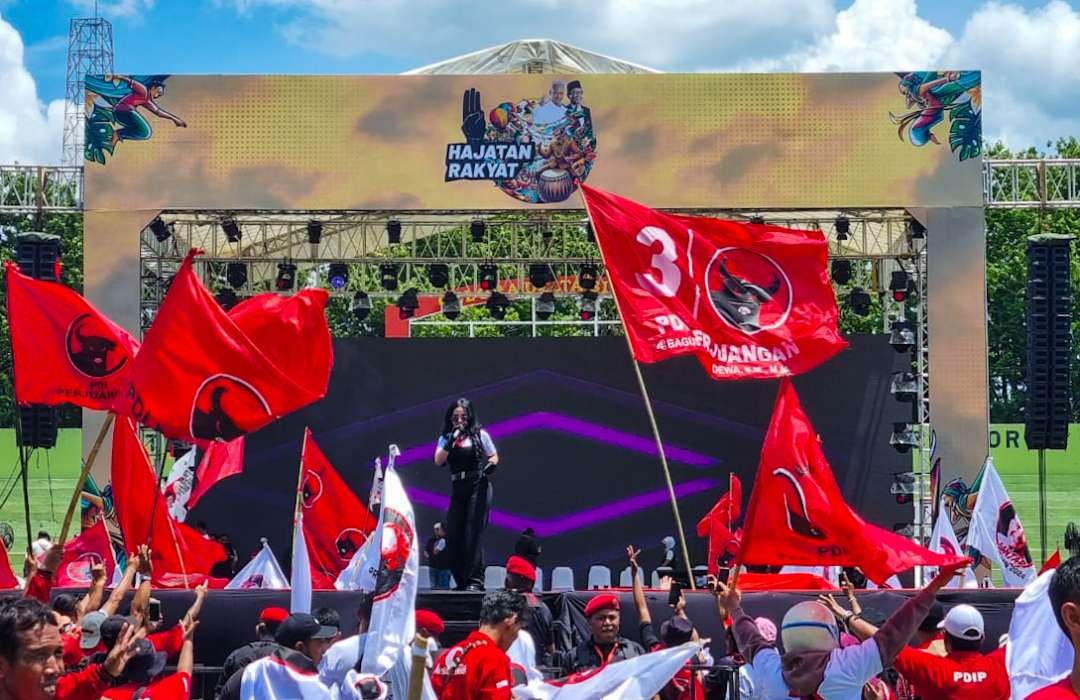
pixel 53 474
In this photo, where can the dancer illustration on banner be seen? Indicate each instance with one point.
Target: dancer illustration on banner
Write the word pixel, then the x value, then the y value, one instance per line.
pixel 112 106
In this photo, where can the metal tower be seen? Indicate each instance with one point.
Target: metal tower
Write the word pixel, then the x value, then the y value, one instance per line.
pixel 90 50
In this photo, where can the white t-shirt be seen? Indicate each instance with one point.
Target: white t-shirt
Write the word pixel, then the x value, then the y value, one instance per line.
pixel 846 673
pixel 485 443
pixel 340 658
pixel 41 545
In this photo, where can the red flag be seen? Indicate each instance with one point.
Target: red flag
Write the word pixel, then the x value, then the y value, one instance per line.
pixel 717 523
pixel 177 548
pixel 91 547
pixel 797 514
pixel 220 461
pixel 201 376
pixel 7 576
pixel 65 350
pixel 336 522
pixel 749 300
pixel 1053 562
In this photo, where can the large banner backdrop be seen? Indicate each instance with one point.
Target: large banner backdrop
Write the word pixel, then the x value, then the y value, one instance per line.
pixel 578 461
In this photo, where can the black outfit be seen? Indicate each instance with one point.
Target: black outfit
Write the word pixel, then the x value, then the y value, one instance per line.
pixel 289 658
pixel 588 655
pixel 541 629
pixel 528 548
pixel 237 661
pixel 470 505
pixel 436 560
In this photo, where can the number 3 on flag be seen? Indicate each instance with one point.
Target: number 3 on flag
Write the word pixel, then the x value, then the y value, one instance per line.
pixel 663 263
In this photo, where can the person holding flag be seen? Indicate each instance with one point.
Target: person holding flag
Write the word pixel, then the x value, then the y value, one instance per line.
pixel 1064 595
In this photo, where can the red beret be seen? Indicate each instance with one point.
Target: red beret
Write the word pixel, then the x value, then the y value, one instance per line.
pixel 276 615
pixel 430 621
pixel 521 567
pixel 604 601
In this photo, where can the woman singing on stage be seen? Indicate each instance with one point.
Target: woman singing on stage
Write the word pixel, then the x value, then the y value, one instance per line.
pixel 471 454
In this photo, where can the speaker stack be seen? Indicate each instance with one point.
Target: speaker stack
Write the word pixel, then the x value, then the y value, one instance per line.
pixel 38 255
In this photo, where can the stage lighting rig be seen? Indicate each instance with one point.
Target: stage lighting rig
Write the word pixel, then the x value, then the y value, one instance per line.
pixel 859 301
pixel 231 229
pixel 904 386
pixel 588 306
pixel 901 285
pixel 587 276
pixel 496 305
pixel 286 277
pixel 393 231
pixel 758 219
pixel 843 228
pixel 540 275
pixel 338 276
pixel 903 437
pixel 917 229
pixel 236 274
pixel 360 306
pixel 314 232
pixel 841 271
pixel 902 336
pixel 590 235
pixel 160 229
pixel 388 276
pixel 545 306
pixel 451 305
pixel 489 276
pixel 408 303
pixel 226 298
pixel 438 274
pixel 477 229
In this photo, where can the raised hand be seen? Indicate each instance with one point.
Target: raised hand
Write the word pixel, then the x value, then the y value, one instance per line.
pixel 122 651
pixel 97 572
pixel 472 118
pixel 146 567
pixel 632 555
pixel 835 608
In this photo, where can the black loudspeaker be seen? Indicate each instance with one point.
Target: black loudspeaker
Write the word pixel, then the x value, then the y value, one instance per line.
pixel 1049 343
pixel 37 426
pixel 37 255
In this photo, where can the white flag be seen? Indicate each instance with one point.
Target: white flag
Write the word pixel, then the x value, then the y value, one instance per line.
pixel 1038 652
pixel 177 488
pixel 300 599
pixel 363 567
pixel 284 675
pixel 943 540
pixel 640 677
pixel 375 496
pixel 523 653
pixel 393 613
pixel 995 530
pixel 262 571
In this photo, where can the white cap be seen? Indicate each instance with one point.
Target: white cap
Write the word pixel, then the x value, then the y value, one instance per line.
pixel 963 622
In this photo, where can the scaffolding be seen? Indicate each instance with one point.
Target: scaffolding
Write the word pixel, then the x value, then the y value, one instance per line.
pixel 90 51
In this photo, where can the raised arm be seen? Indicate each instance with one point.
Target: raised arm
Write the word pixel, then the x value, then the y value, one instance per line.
pixel 186 662
pixel 639 592
pixel 92 599
pixel 140 604
pixel 192 615
pixel 117 596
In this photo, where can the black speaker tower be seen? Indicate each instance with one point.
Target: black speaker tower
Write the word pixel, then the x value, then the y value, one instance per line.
pixel 1049 342
pixel 38 256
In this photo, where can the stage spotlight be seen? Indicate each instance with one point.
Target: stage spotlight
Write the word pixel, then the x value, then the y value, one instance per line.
pixel 236 274
pixel 903 437
pixel 901 285
pixel 496 305
pixel 338 276
pixel 393 231
pixel 286 277
pixel 226 298
pixel 545 306
pixel 904 386
pixel 408 303
pixel 859 301
pixel 489 276
pixel 588 306
pixel 902 336
pixel 451 305
pixel 841 271
pixel 477 229
pixel 540 275
pixel 388 273
pixel 757 219
pixel 231 229
pixel 360 306
pixel 587 275
pixel 314 232
pixel 160 229
pixel 843 228
pixel 547 234
pixel 917 229
pixel 590 235
pixel 438 274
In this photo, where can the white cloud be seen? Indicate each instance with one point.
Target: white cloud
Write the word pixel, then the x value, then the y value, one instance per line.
pixel 114 8
pixel 30 131
pixel 666 34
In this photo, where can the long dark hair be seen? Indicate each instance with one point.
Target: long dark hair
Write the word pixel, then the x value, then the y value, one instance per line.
pixel 472 426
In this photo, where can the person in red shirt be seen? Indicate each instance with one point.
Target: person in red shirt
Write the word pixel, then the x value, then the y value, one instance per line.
pixel 963 672
pixel 478 667
pixel 1064 596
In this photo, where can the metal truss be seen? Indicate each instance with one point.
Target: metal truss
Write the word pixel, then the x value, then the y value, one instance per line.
pixel 36 189
pixel 90 52
pixel 1047 183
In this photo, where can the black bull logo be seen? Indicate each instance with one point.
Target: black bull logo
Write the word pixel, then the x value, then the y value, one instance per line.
pixel 739 301
pixel 88 351
pixel 226 408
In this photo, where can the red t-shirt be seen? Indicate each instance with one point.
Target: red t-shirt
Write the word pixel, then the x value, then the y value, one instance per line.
pixel 176 686
pixel 961 675
pixel 1062 690
pixel 474 669
pixel 170 641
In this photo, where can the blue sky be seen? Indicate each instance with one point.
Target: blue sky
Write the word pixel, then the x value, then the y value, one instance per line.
pixel 1028 49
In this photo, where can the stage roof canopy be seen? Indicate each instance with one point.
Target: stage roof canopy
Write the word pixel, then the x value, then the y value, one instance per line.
pixel 530 56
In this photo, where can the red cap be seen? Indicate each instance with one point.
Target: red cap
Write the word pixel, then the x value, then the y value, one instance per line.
pixel 430 621
pixel 604 601
pixel 273 615
pixel 521 567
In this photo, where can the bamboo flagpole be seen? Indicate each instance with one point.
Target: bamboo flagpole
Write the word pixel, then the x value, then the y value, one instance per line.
pixel 652 418
pixel 84 475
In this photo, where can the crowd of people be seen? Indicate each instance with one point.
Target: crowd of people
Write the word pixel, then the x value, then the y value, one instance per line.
pixel 93 645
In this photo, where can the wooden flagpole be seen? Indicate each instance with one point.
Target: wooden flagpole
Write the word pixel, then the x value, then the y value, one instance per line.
pixel 84 475
pixel 651 416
